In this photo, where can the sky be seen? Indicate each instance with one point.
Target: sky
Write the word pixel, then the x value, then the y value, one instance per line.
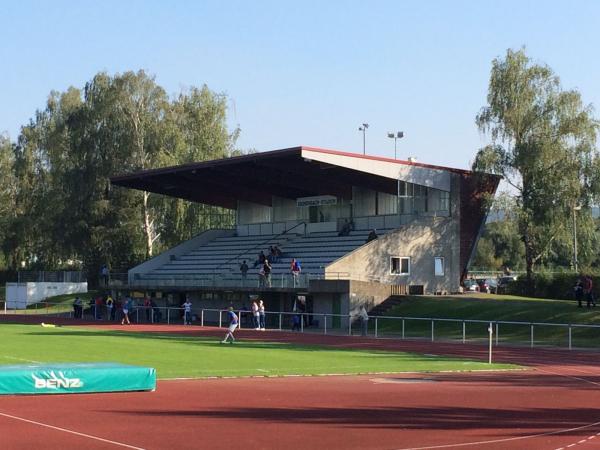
pixel 304 72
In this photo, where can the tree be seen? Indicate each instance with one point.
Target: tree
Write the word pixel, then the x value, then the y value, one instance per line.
pixel 543 144
pixel 7 189
pixel 57 208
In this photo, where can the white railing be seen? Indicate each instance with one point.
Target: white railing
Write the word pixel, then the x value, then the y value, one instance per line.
pixel 433 329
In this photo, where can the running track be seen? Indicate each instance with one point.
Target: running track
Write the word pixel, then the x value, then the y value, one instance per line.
pixel 554 404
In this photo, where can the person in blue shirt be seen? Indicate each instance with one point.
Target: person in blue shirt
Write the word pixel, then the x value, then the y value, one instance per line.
pixel 233 323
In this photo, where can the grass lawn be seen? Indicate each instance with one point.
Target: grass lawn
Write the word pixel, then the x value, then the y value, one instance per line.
pixel 180 356
pixel 489 307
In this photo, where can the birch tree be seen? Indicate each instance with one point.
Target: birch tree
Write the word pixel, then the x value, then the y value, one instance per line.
pixel 543 142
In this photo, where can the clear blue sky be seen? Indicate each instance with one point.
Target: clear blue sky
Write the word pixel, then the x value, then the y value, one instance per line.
pixel 304 72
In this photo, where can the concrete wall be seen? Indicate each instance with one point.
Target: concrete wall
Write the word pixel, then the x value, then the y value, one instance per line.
pixel 19 295
pixel 422 240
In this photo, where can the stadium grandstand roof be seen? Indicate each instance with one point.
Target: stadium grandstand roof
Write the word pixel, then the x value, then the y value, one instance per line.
pixel 292 173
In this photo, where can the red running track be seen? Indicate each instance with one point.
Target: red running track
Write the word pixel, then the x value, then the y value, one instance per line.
pixel 552 405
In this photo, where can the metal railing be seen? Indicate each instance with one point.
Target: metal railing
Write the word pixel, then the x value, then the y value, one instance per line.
pixel 54 276
pixel 532 334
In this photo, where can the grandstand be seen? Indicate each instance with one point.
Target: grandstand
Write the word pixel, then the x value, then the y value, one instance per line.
pixel 304 200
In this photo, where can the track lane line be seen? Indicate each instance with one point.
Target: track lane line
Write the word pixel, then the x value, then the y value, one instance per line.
pixel 65 430
pixel 496 441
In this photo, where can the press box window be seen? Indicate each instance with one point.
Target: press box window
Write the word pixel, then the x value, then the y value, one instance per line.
pixel 439 266
pixel 400 266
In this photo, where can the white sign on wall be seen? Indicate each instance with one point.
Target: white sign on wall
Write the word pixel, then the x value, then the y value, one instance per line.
pixel 318 200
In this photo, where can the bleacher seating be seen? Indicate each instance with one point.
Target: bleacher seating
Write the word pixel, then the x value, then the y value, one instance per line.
pixel 222 256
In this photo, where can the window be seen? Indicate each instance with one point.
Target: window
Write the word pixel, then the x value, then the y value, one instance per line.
pixel 400 265
pixel 438 263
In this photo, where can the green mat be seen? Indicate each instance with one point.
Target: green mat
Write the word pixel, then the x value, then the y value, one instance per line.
pixel 69 378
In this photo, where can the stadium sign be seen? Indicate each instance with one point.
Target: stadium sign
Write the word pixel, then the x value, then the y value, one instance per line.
pixel 318 200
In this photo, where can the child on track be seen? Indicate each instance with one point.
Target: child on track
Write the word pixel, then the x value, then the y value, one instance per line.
pixel 233 323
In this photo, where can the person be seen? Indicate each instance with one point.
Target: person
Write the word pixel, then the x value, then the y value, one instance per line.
pixel 295 269
pixel 261 315
pixel 346 228
pixel 277 253
pixel 364 320
pixel 156 314
pixel 126 307
pixel 588 291
pixel 255 315
pixel 104 274
pixel 77 308
pixel 372 235
pixel 233 323
pixel 578 290
pixel 260 260
pixel 110 314
pixel 244 270
pixel 272 254
pixel 261 277
pixel 147 308
pixel 187 311
pixel 267 271
pixel 296 322
pixel 98 304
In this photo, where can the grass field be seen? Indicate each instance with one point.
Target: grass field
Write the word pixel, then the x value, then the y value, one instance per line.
pixel 487 307
pixel 178 356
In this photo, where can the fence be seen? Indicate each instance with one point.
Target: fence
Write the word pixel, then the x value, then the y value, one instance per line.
pixel 225 280
pixel 40 276
pixel 532 334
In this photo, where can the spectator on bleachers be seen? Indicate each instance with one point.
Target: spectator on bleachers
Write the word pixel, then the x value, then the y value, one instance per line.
pixel 267 271
pixel 261 259
pixel 295 269
pixel 346 228
pixel 104 275
pixel 244 270
pixel 277 253
pixel 372 235
pixel 272 254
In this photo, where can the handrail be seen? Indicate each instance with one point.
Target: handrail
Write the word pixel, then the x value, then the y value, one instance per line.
pixel 256 246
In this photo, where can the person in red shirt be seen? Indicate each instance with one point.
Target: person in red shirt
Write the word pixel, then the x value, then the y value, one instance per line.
pixel 588 291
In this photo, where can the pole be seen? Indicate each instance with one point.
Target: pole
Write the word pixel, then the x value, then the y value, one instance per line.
pixel 575 264
pixel 395 140
pixel 364 140
pixel 491 333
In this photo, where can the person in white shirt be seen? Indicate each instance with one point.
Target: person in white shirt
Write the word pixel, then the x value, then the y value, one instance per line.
pixel 187 312
pixel 261 315
pixel 364 320
pixel 255 315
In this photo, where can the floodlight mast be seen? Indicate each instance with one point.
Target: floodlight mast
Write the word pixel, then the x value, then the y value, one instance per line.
pixel 363 128
pixel 395 137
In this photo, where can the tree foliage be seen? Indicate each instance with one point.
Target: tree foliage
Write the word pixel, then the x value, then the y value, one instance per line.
pixel 58 208
pixel 543 142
